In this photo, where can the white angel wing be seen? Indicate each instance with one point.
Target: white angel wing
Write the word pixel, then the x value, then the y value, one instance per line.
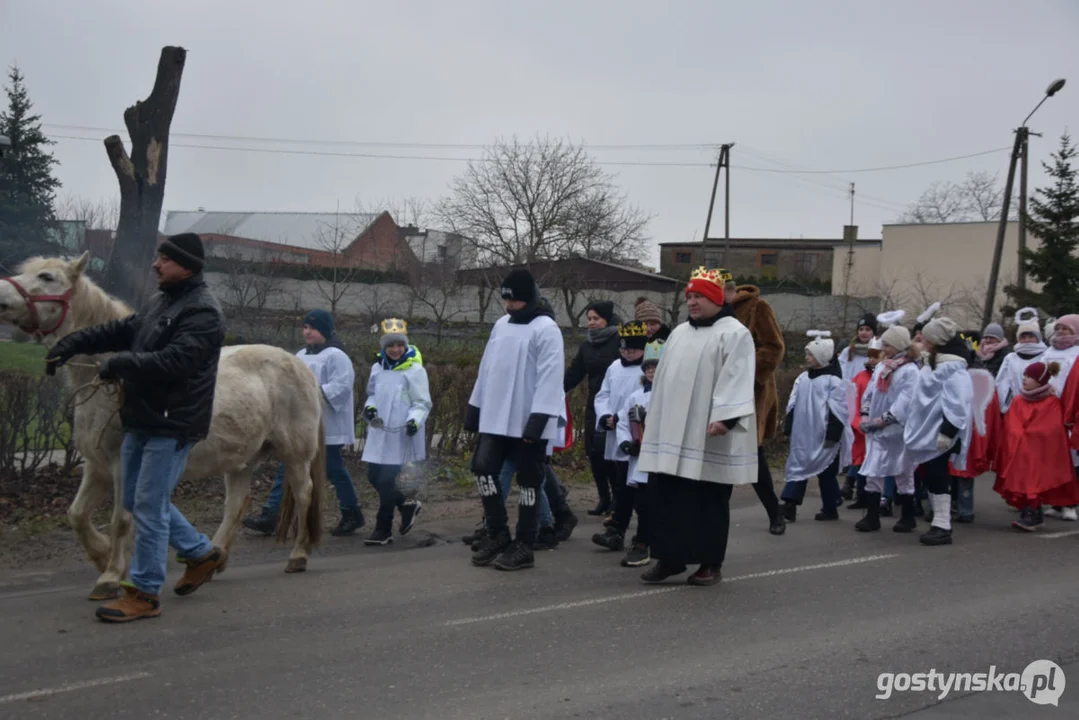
pixel 892 317
pixel 984 387
pixel 1026 314
pixel 929 313
pixel 852 401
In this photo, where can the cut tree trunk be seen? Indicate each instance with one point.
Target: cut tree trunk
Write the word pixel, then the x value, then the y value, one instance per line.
pixel 142 180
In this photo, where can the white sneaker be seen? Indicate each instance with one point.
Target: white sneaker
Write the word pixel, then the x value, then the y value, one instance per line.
pixel 1050 511
pixel 1069 513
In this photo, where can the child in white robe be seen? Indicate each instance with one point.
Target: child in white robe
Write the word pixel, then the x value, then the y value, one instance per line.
pixel 1029 348
pixel 398 402
pixel 817 422
pixel 622 378
pixel 1063 350
pixel 629 432
pixel 884 407
pixel 938 421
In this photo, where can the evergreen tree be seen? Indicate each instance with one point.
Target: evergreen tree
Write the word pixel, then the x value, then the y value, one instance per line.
pixel 27 185
pixel 1054 220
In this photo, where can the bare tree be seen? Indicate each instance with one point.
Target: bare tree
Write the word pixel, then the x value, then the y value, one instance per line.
pixel 977 197
pixel 336 275
pixel 439 292
pixel 541 200
pixel 103 214
pixel 249 286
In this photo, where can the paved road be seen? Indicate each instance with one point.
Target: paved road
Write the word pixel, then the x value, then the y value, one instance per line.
pixel 800 628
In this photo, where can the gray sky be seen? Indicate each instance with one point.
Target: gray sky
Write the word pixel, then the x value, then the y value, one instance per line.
pixel 819 85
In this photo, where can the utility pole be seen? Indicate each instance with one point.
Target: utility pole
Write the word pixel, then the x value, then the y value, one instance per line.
pixel 1019 150
pixel 724 161
pixel 851 234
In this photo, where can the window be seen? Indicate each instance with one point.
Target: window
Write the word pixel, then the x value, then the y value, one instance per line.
pixel 443 252
pixel 683 258
pixel 768 259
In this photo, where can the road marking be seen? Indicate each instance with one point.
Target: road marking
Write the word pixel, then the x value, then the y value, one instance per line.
pixel 42 591
pixel 73 686
pixel 664 589
pixel 1055 535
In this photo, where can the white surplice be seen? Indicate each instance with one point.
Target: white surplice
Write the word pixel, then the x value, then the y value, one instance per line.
pixel 619 382
pixel 812 401
pixel 944 393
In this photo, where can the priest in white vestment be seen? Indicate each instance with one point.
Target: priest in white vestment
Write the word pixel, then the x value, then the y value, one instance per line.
pixel 701 435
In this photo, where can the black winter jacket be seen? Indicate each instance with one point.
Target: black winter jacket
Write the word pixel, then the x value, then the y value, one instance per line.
pixel 169 367
pixel 592 362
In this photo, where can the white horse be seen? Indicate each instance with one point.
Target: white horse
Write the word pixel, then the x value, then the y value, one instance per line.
pixel 267 403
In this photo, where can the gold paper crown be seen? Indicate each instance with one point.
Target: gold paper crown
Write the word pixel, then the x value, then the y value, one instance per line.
pixel 717 276
pixel 633 329
pixel 394 326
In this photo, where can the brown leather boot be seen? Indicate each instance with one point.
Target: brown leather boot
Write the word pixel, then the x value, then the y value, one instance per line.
pixel 134 604
pixel 200 570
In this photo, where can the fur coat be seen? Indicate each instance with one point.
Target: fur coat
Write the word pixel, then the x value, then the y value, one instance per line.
pixel 757 315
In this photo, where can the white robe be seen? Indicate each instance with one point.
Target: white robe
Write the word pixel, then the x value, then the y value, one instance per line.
pixel 944 393
pixel 625 434
pixel 1010 378
pixel 1065 358
pixel 706 376
pixel 885 451
pixel 521 374
pixel 618 384
pixel 398 396
pixel 851 364
pixel 812 401
pixel 336 377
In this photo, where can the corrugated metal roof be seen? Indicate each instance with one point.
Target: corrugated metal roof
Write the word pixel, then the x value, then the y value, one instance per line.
pixel 313 231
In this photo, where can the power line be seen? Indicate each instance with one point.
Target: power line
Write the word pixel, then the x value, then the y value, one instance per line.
pixel 284 151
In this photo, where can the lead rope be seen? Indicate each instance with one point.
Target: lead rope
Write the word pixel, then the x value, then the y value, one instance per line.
pixel 111 387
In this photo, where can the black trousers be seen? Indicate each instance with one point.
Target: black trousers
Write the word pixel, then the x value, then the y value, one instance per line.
pixel 595 443
pixel 690 520
pixel 938 477
pixel 634 498
pixel 766 491
pixel 531 458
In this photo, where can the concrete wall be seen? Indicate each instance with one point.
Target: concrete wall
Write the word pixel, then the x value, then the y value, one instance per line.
pixel 800 264
pixel 374 302
pixel 865 272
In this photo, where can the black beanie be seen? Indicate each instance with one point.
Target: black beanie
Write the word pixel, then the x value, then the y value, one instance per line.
pixel 519 285
pixel 869 320
pixel 603 308
pixel 184 249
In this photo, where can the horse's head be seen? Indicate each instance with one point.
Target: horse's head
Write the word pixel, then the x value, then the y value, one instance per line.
pixel 37 299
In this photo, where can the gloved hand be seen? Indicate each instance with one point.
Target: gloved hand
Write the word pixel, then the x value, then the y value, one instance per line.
pixel 411 428
pixel 625 447
pixel 634 450
pixel 472 419
pixel 370 413
pixel 61 352
pixel 116 366
pixel 637 414
pixel 605 422
pixel 537 423
pixel 944 442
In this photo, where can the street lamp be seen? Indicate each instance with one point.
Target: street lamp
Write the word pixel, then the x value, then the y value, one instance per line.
pixel 1019 152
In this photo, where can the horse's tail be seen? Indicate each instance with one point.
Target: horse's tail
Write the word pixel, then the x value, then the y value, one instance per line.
pixel 318 481
pixel 314 509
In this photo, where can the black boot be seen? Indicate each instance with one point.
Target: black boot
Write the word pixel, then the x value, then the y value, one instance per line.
pixel 790 512
pixel 886 508
pixel 351 521
pixel 777 525
pixel 936 536
pixel 490 548
pixel 546 539
pixel 906 523
pixel 564 523
pixel 848 488
pixel 265 523
pixel 871 521
pixel 516 556
pixel 601 508
pixel 610 539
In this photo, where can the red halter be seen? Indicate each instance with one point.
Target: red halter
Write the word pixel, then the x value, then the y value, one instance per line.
pixel 64 301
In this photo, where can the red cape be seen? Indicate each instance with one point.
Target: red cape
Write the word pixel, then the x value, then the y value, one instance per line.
pixel 1070 398
pixel 1034 463
pixel 981 455
pixel 569 431
pixel 857 451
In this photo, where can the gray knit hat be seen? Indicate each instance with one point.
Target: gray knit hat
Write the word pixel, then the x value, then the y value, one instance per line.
pixel 993 330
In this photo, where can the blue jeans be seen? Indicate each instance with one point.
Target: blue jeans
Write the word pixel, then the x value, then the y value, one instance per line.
pixel 338 476
pixel 964 501
pixel 794 492
pixel 383 479
pixel 151 467
pixel 509 468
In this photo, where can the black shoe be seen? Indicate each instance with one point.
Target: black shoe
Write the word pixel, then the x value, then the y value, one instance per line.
pixel 490 548
pixel 563 525
pixel 847 492
pixel 1029 520
pixel 546 539
pixel 886 509
pixel 859 503
pixel 964 519
pixel 516 556
pixel 351 521
pixel 409 512
pixel 871 521
pixel 906 522
pixel 475 536
pixel 602 508
pixel 610 539
pixel 778 525
pixel 825 515
pixel 637 556
pixel 937 536
pixel 661 571
pixel 381 536
pixel 266 523
pixel 790 512
pixel 919 509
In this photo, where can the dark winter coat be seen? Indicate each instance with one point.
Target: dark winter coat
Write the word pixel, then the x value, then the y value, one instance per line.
pixel 993 364
pixel 592 362
pixel 168 360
